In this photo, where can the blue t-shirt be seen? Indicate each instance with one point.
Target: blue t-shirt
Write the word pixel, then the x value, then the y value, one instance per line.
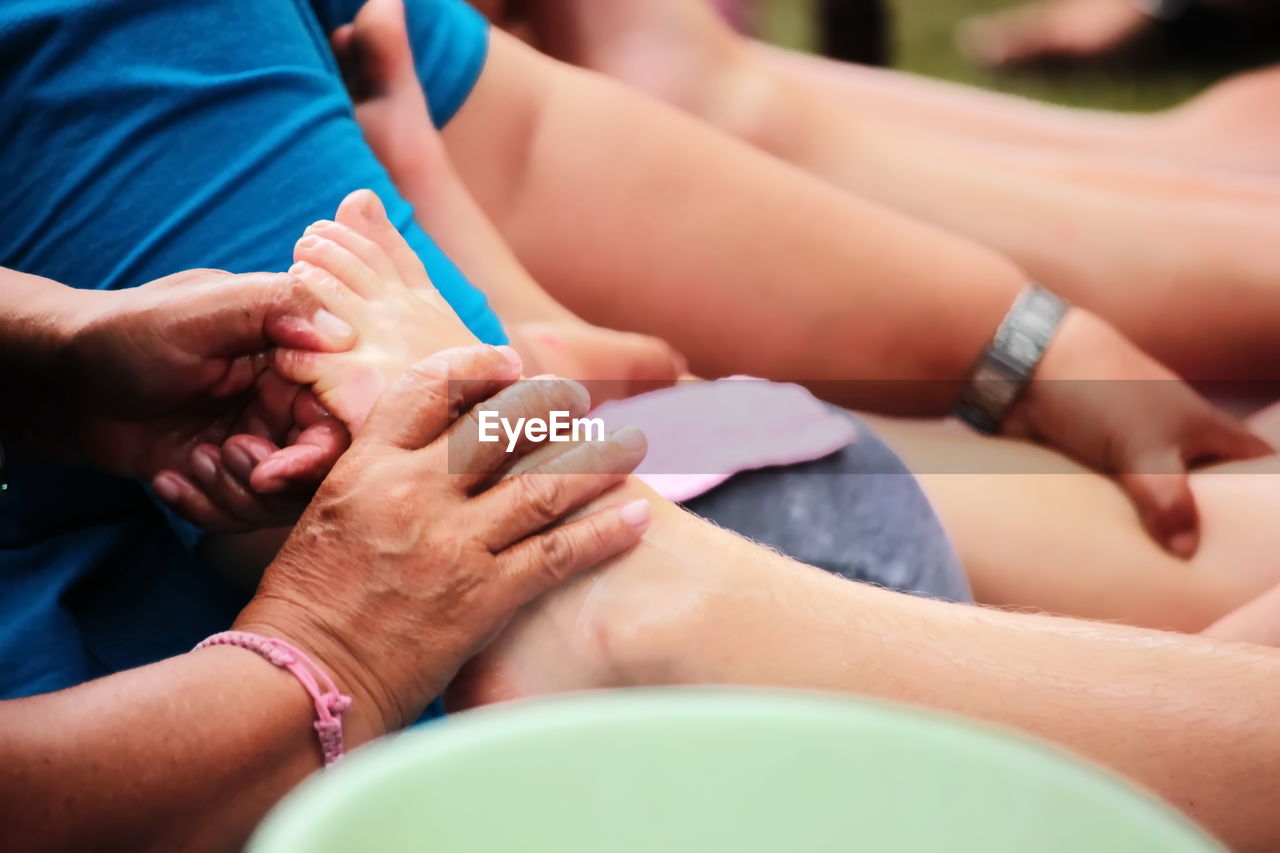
pixel 141 138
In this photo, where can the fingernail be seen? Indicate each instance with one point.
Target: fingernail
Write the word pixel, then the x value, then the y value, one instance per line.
pixel 205 466
pixel 513 358
pixel 331 325
pixel 631 438
pixel 637 513
pixel 167 488
pixel 239 462
pixel 1183 544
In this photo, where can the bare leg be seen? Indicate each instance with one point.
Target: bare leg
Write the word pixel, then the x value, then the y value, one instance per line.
pixel 1039 531
pixel 1205 303
pixel 694 605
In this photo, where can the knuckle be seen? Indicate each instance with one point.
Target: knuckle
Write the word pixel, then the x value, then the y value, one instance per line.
pixel 544 496
pixel 559 551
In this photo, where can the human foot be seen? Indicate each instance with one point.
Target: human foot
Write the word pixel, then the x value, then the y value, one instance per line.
pixel 1055 31
pixel 396 123
pixel 363 271
pixel 632 622
pixel 1232 125
pixel 680 51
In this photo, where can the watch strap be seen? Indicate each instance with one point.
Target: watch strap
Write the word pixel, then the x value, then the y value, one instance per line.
pixel 1008 363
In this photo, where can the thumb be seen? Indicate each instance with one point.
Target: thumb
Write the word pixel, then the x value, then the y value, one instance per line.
pixel 430 395
pixel 1158 485
pixel 1225 439
pixel 240 314
pixel 654 363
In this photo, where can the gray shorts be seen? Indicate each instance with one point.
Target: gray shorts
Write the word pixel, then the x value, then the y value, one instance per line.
pixel 858 513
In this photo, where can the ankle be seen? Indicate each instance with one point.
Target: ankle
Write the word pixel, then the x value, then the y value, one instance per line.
pixel 646 611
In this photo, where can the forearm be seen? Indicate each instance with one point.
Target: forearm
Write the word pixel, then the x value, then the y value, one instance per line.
pixel 714 243
pixel 36 320
pixel 1187 717
pixel 187 753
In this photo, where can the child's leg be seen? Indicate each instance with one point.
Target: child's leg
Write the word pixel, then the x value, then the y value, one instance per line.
pixel 859 512
pixel 1036 530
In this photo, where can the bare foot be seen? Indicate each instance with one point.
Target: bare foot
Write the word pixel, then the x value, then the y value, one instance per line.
pixel 629 623
pixel 1048 31
pixel 394 116
pixel 1232 125
pixel 680 51
pixel 363 271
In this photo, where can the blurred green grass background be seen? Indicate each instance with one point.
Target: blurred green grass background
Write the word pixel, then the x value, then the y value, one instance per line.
pixel 925 44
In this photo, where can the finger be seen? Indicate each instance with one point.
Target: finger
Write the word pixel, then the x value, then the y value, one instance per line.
pixel 481 446
pixel 300 467
pixel 653 364
pixel 429 396
pixel 219 474
pixel 237 315
pixel 187 500
pixel 1160 489
pixel 543 562
pixel 529 502
pixel 1224 439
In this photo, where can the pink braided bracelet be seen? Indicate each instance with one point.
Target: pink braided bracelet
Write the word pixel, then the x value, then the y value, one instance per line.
pixel 330 704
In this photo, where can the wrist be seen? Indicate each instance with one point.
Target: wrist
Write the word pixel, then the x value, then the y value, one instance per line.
pixel 373 712
pixel 37 326
pixel 1080 349
pixel 1084 350
pixel 1003 374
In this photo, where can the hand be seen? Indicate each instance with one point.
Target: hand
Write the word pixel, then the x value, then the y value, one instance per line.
pixel 169 383
pixel 400 571
pixel 612 365
pixel 1098 398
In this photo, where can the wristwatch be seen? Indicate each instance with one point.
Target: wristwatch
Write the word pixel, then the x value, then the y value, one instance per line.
pixel 1006 366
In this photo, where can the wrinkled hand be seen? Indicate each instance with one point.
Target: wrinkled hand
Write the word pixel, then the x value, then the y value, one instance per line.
pixel 1099 399
pixel 169 383
pixel 413 554
pixel 611 364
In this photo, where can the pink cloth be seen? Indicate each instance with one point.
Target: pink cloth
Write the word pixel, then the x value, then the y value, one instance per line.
pixel 702 433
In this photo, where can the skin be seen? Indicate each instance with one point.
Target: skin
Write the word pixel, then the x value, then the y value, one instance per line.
pixel 566 207
pixel 1115 574
pixel 549 337
pixel 1080 217
pixel 166 375
pixel 686 605
pixel 1074 31
pixel 460 557
pixel 1014 513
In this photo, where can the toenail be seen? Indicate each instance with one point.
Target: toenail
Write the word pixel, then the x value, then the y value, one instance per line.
pixel 308 242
